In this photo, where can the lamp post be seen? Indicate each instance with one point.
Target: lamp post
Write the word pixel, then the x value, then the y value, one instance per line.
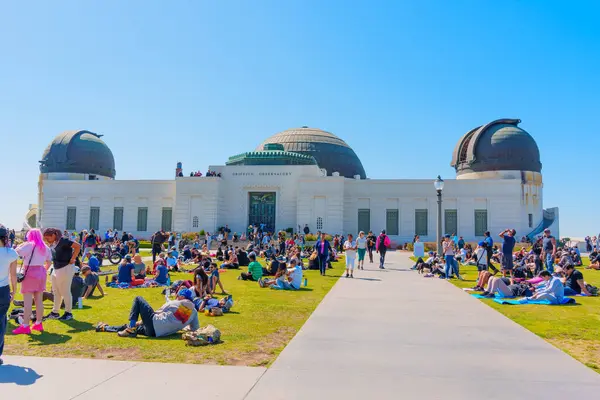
pixel 439 186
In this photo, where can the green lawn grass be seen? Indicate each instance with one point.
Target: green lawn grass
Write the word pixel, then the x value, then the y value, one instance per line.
pixel 258 327
pixel 574 329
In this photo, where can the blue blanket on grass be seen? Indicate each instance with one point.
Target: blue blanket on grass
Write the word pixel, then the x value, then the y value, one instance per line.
pixel 566 300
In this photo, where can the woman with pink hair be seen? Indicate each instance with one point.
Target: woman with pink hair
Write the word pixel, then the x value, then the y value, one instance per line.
pixel 36 261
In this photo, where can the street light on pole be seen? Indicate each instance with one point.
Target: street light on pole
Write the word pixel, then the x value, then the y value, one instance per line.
pixel 439 186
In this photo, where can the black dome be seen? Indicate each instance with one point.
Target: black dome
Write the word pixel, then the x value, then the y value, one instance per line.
pixel 78 152
pixel 498 146
pixel 331 152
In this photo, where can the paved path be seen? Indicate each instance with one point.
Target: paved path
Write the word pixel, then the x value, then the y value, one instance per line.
pixel 385 334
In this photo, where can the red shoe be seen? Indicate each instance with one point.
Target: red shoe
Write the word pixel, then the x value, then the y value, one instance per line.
pixel 38 327
pixel 22 330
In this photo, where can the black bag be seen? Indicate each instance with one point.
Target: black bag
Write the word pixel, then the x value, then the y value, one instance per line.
pixel 22 275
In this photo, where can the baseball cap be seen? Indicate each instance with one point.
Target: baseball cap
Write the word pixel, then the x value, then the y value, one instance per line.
pixel 128 257
pixel 187 293
pixel 281 259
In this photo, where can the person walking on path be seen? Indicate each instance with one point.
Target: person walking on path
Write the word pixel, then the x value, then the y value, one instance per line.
pixel 549 250
pixel 350 249
pixel 8 281
pixel 489 244
pixel 383 243
pixel 323 248
pixel 508 246
pixel 36 261
pixel 64 255
pixel 371 240
pixel 361 247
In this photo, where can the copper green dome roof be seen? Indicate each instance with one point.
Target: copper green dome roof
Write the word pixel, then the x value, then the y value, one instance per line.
pixel 500 145
pixel 331 152
pixel 80 152
pixel 272 154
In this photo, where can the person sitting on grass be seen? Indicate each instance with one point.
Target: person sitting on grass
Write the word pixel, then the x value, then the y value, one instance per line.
pixel 94 263
pixel 232 261
pixel 552 290
pixel 159 260
pixel 139 268
pixel 172 262
pixel 290 280
pixel 172 317
pixel 594 261
pixel 126 274
pixel 574 283
pixel 506 287
pixel 92 282
pixel 161 275
pixel 481 261
pixel 201 287
pixel 214 279
pixel 255 270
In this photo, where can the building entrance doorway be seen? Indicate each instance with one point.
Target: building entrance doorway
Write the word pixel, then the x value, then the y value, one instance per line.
pixel 261 210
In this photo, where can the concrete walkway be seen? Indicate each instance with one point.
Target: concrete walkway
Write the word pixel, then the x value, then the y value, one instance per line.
pixel 384 334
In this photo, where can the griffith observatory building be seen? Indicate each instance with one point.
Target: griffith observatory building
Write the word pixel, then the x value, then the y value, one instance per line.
pixel 297 177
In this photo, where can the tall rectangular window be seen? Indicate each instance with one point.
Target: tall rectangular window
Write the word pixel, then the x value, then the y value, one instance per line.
pixel 364 219
pixel 531 220
pixel 142 219
pixel 450 221
pixel 95 218
pixel 480 222
pixel 118 218
pixel 391 221
pixel 421 222
pixel 167 219
pixel 71 218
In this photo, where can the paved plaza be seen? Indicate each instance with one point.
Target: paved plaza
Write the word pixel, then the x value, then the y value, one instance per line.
pixel 384 334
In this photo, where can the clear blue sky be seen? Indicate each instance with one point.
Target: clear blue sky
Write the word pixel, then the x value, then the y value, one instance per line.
pixel 400 81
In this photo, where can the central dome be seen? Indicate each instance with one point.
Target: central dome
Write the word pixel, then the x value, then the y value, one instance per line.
pixel 331 152
pixel 80 152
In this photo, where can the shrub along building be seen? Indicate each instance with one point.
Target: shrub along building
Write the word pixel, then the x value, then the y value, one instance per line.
pixel 297 177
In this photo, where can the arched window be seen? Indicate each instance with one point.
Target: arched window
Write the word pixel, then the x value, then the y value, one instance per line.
pixel 195 222
pixel 319 223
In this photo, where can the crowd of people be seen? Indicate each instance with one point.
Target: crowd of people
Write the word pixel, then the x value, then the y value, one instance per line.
pixel 544 271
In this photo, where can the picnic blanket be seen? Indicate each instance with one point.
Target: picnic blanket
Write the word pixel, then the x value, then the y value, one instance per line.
pixel 496 296
pixel 566 300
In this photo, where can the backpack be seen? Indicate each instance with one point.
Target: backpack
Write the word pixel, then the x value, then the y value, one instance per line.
pixel 203 336
pixel 592 289
pixel 90 240
pixel 382 246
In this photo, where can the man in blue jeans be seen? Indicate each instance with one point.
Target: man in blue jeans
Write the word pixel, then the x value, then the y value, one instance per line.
pixel 549 250
pixel 323 248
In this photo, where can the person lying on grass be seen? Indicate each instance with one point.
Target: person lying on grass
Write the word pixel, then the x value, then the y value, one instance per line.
pixel 255 270
pixel 209 302
pixel 172 317
pixel 291 279
pixel 507 289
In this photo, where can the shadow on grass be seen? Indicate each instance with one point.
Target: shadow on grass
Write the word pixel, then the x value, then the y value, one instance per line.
pixel 48 338
pixel 18 375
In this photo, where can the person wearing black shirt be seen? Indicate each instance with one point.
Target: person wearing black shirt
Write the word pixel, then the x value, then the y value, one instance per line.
pixel 64 256
pixel 574 283
pixel 306 229
pixel 157 240
pixel 371 240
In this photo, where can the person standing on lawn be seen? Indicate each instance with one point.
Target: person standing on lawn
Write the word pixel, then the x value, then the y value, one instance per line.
pixel 489 244
pixel 36 261
pixel 65 253
pixel 8 281
pixel 157 241
pixel 548 250
pixel 508 246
